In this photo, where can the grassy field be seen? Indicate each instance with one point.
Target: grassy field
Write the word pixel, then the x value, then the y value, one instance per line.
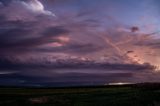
pixel 84 96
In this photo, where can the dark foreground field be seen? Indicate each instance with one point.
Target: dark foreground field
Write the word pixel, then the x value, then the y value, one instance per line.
pixel 84 96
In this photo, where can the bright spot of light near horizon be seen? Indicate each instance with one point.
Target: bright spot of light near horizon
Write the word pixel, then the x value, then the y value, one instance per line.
pixel 119 83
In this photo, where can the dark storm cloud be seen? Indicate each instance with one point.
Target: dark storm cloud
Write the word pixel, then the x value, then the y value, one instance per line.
pixel 20 35
pixel 7 64
pixel 23 35
pixel 35 33
pixel 14 38
pixel 52 74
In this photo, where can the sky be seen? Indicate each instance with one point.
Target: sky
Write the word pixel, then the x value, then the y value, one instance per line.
pixel 79 42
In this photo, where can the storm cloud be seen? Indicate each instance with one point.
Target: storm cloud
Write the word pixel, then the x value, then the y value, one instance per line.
pixel 65 41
